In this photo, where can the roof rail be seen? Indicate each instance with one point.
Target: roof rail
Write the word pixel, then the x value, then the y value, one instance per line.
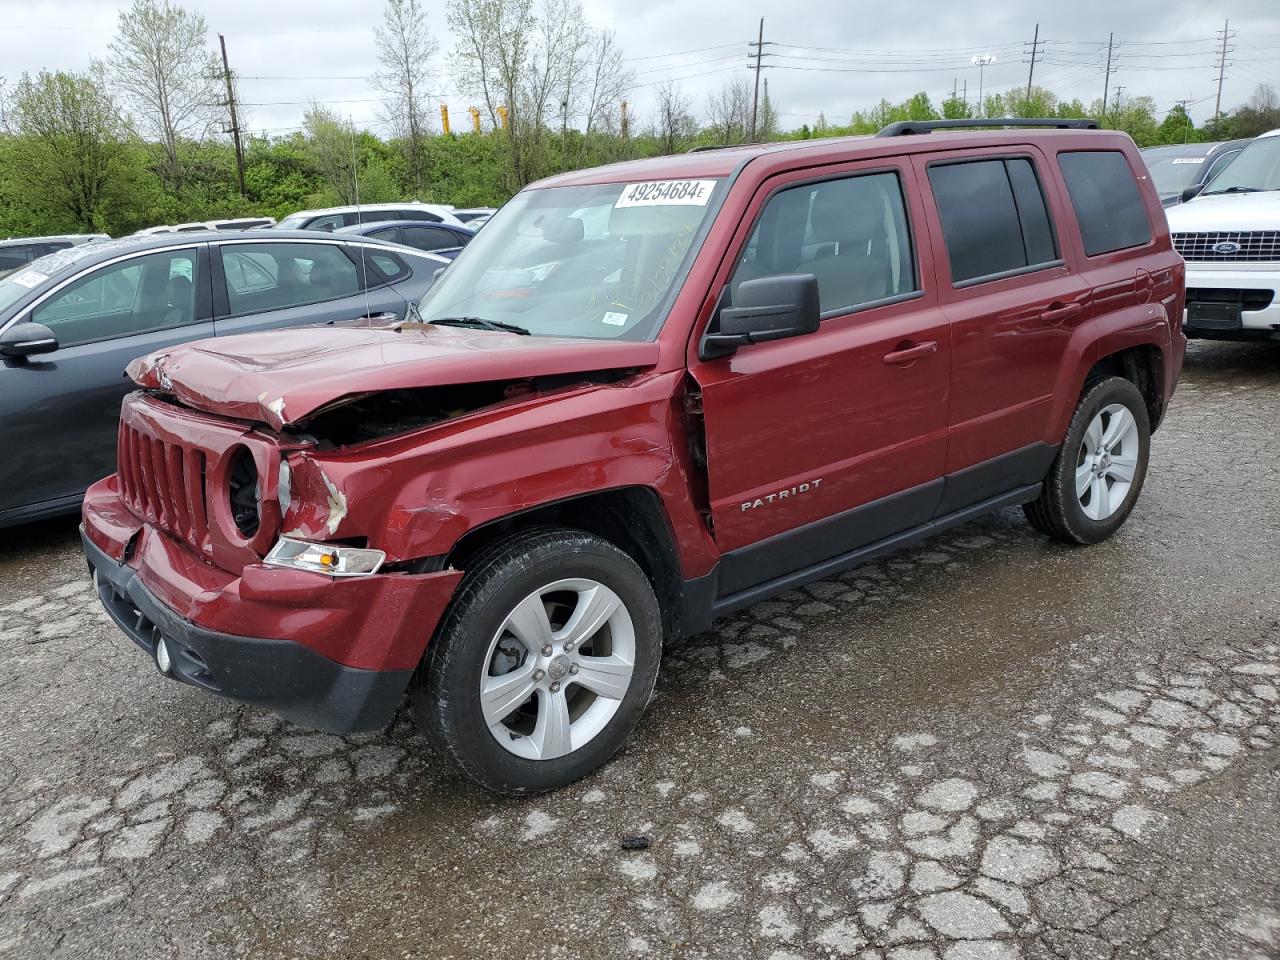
pixel 714 146
pixel 907 127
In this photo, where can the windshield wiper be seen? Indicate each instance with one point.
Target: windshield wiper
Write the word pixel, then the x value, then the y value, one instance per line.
pixel 1214 193
pixel 481 323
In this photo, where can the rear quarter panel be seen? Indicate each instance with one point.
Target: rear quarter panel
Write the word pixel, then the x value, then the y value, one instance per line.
pixel 1137 293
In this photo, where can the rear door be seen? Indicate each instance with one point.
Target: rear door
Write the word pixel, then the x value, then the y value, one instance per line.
pixel 265 285
pixel 1013 301
pixel 823 443
pixel 61 410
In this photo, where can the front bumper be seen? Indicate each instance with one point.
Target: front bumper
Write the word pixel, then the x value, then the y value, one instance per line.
pixel 333 655
pixel 1219 280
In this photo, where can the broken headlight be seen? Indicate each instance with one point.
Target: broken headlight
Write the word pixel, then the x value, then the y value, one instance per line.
pixel 336 561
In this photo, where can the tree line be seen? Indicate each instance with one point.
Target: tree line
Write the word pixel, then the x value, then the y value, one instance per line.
pixel 140 139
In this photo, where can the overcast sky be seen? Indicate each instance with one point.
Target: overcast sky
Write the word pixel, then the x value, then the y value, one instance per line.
pixel 830 57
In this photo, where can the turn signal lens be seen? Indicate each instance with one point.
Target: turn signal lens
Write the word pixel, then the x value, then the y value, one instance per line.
pixel 327 558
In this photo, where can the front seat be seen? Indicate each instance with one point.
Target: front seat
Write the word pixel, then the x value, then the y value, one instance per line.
pixel 856 269
pixel 181 301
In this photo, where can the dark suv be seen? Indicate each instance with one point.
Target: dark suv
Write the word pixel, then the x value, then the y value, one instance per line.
pixel 643 396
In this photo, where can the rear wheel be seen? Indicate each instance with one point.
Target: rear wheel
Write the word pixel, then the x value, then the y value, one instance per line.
pixel 1098 473
pixel 544 663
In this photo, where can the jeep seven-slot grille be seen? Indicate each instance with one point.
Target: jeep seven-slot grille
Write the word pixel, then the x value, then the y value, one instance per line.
pixel 164 484
pixel 1257 245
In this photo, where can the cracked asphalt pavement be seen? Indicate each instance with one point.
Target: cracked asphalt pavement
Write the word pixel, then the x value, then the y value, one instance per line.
pixel 987 747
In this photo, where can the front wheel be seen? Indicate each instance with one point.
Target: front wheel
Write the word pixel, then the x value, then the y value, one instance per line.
pixel 1097 475
pixel 544 664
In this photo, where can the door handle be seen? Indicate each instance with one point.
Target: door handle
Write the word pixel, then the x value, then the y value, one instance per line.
pixel 1058 312
pixel 908 354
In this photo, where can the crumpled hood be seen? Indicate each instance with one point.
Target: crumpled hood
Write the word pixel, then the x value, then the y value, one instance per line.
pixel 1226 213
pixel 282 377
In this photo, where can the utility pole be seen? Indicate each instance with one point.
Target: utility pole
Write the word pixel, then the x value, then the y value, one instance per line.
pixel 1222 69
pixel 1186 119
pixel 235 123
pixel 1035 48
pixel 965 95
pixel 981 63
pixel 1119 90
pixel 564 134
pixel 1106 83
pixel 755 98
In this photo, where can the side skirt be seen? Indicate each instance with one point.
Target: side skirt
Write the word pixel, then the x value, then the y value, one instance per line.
pixel 743 598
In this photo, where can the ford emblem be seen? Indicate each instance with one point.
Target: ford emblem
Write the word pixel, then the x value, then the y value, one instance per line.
pixel 1226 246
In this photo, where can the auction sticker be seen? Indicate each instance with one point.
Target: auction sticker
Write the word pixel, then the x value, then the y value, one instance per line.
pixel 1189 160
pixel 693 193
pixel 30 279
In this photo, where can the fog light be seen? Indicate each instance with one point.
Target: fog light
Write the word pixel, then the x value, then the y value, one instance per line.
pixel 162 656
pixel 336 561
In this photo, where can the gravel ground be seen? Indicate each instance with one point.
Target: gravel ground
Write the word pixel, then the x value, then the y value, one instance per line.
pixel 987 747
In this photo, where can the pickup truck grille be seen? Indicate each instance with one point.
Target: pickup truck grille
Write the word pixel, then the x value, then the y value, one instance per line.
pixel 1257 245
pixel 164 483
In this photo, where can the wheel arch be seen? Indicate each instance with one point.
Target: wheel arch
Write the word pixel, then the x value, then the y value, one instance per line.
pixel 633 519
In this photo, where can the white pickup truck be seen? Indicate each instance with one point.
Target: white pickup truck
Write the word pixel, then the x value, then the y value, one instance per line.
pixel 1230 237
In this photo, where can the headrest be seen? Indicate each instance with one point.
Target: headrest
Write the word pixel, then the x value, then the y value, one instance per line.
pixel 848 210
pixel 563 230
pixel 654 219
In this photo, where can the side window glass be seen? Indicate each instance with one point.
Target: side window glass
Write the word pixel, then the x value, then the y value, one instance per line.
pixel 390 267
pixel 1037 231
pixel 273 276
pixel 154 292
pixel 11 258
pixel 1106 200
pixel 425 238
pixel 994 217
pixel 390 233
pixel 330 222
pixel 418 215
pixel 850 233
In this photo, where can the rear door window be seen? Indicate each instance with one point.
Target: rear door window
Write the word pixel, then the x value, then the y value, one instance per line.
pixel 11 258
pixel 417 215
pixel 153 292
pixel 1106 200
pixel 427 238
pixel 994 217
pixel 330 221
pixel 274 276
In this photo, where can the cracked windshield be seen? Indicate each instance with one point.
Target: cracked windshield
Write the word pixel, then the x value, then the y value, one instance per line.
pixel 595 261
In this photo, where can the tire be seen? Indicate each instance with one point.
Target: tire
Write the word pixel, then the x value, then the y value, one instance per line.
pixel 492 635
pixel 1062 513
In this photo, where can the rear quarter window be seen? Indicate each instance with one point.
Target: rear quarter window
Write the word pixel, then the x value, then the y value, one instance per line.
pixel 1106 199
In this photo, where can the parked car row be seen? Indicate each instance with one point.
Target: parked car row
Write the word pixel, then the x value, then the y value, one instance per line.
pixel 1181 171
pixel 70 322
pixel 17 252
pixel 238 223
pixel 1229 234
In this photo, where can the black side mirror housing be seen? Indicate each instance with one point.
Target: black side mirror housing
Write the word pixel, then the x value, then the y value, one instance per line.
pixel 27 339
pixel 767 308
pixel 1191 192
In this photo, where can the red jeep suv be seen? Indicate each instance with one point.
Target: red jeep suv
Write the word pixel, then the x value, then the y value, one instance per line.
pixel 644 396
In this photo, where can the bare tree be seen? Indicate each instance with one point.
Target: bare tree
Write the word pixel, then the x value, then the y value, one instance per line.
pixel 676 124
pixel 729 111
pixel 523 59
pixel 604 79
pixel 169 79
pixel 405 48
pixel 70 145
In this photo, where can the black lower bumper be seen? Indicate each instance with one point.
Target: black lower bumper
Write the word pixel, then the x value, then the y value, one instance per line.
pixel 299 684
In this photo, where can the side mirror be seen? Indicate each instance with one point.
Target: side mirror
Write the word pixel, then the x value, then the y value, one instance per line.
pixel 1191 192
pixel 27 339
pixel 768 308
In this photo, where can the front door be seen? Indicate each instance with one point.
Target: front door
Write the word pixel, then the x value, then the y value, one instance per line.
pixel 824 443
pixel 62 410
pixel 287 283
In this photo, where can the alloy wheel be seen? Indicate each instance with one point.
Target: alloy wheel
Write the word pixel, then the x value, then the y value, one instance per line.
pixel 558 669
pixel 1107 462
